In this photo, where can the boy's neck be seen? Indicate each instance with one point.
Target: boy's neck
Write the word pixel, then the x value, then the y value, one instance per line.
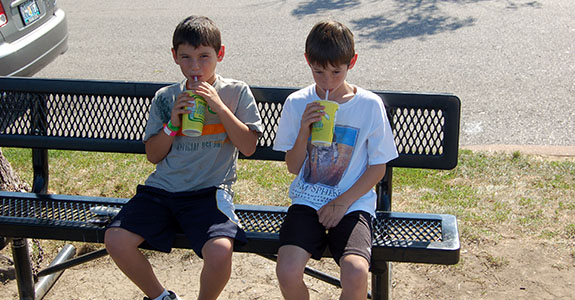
pixel 342 94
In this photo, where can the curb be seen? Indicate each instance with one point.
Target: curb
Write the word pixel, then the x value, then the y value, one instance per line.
pixel 545 150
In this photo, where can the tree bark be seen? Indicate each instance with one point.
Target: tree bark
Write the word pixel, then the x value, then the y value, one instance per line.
pixel 9 180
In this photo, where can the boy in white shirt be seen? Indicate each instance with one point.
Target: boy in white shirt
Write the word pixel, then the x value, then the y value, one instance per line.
pixel 333 200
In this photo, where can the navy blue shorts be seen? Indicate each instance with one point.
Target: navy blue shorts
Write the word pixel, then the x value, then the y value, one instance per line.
pixel 158 215
pixel 352 235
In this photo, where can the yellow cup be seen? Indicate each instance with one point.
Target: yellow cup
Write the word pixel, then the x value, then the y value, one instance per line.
pixel 322 131
pixel 193 122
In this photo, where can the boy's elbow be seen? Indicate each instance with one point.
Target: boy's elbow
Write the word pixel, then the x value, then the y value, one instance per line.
pixel 248 151
pixel 293 171
pixel 380 170
pixel 152 160
pixel 248 148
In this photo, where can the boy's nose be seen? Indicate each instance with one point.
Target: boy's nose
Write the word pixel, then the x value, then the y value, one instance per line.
pixel 195 64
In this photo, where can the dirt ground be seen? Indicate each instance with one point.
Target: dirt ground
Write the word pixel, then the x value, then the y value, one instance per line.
pixel 511 268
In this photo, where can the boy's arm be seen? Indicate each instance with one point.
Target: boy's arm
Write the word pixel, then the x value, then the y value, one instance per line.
pixel 159 145
pixel 331 213
pixel 296 155
pixel 239 133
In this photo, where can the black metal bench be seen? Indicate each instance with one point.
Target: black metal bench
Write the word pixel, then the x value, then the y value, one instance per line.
pixel 110 116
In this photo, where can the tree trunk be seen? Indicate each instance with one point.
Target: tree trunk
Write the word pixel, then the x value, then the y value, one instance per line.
pixel 9 180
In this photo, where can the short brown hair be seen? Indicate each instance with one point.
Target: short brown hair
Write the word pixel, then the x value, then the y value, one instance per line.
pixel 329 42
pixel 197 31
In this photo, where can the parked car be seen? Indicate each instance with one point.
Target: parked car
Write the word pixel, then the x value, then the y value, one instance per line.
pixel 32 34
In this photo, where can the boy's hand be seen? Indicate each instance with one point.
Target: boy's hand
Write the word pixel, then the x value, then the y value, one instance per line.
pixel 331 213
pixel 296 156
pixel 210 94
pixel 312 113
pixel 179 108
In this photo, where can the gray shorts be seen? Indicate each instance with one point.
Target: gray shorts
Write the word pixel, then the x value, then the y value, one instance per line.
pixel 158 215
pixel 352 235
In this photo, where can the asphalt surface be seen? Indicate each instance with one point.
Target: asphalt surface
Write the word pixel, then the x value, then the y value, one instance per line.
pixel 511 62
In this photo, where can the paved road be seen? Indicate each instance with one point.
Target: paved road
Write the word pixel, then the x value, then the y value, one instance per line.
pixel 512 62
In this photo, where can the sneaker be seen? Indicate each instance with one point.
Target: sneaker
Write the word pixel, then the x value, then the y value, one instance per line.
pixel 170 296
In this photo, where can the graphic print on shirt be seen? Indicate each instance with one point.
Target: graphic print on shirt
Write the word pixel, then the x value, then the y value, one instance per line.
pixel 325 166
pixel 214 135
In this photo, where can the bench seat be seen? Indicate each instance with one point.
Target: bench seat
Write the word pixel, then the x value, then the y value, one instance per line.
pixel 421 238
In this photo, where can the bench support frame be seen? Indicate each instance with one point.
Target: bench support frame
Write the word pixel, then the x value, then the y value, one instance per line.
pixel 381 284
pixel 23 268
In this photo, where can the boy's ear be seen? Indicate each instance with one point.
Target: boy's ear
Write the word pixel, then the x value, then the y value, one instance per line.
pixel 174 55
pixel 221 53
pixel 352 62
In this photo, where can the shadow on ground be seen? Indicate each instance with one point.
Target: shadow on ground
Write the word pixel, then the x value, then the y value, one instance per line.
pixel 403 18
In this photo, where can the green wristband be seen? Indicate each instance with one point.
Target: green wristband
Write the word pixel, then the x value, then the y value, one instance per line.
pixel 172 127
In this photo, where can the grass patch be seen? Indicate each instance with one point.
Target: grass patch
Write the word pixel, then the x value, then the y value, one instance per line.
pixel 570 231
pixel 490 194
pixel 494 193
pixel 262 183
pixel 497 261
pixel 86 173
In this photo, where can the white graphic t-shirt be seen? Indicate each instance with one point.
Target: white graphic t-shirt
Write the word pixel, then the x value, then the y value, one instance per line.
pixel 362 137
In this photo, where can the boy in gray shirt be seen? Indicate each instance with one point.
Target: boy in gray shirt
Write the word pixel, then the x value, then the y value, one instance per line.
pixel 190 190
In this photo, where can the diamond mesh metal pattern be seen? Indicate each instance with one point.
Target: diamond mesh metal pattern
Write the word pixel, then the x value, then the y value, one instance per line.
pixel 418 131
pixel 54 211
pixel 388 232
pixel 15 112
pixel 270 113
pixel 97 116
pixel 75 115
pixel 268 222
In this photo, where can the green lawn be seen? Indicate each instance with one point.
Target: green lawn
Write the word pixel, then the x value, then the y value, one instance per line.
pixel 490 194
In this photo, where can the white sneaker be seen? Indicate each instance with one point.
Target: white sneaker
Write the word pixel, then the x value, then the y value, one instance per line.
pixel 171 296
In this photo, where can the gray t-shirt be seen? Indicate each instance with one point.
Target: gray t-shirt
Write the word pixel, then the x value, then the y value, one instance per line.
pixel 209 160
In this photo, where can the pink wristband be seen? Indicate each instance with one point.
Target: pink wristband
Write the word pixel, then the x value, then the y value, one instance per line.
pixel 169 132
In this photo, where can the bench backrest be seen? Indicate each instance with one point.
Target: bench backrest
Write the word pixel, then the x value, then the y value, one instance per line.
pixel 110 116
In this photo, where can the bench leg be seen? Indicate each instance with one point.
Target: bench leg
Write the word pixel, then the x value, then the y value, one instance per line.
pixel 45 283
pixel 3 242
pixel 23 268
pixel 63 264
pixel 381 282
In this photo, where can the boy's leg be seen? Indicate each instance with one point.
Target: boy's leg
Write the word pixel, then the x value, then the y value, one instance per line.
pixel 301 237
pixel 354 276
pixel 208 223
pixel 290 270
pixel 350 244
pixel 122 246
pixel 217 253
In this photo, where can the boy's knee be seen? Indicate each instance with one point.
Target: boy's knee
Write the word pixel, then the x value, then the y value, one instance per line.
pixel 116 241
pixel 112 242
pixel 218 251
pixel 288 274
pixel 110 237
pixel 354 270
